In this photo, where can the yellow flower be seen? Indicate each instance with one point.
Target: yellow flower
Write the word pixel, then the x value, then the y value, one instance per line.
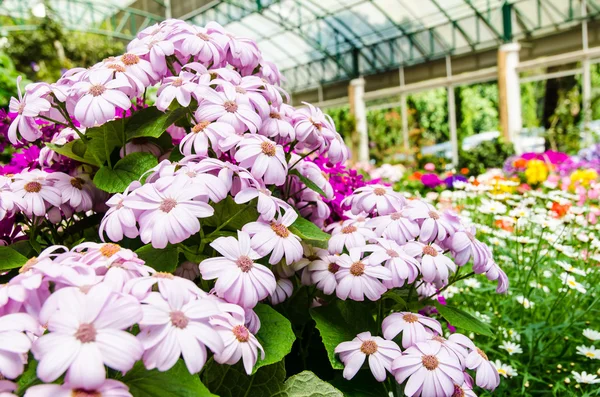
pixel 536 172
pixel 583 177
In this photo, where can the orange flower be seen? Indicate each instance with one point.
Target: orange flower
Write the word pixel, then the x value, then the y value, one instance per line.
pixel 464 171
pixel 416 176
pixel 520 163
pixel 560 210
pixel 504 225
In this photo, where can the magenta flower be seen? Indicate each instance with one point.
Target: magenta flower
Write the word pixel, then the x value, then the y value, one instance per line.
pixel 169 215
pixel 168 331
pixel 486 373
pixel 85 333
pixel 358 277
pixel 101 96
pixel 430 370
pixel 239 342
pixel 110 388
pixel 414 327
pixel 264 159
pixel 15 344
pixel 276 239
pixel 380 198
pixel 403 267
pixel 380 352
pixel 27 109
pixel 36 191
pixel 205 135
pixel 227 107
pixel 239 279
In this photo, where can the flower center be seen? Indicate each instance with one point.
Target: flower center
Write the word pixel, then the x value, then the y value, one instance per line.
pixel 28 265
pixel 97 90
pixel 240 90
pixel 349 229
pixel 86 333
pixel 110 249
pixel 410 318
pixel 77 183
pixel 241 333
pixel 130 59
pixel 21 108
pixel 116 67
pixel 166 275
pixel 85 393
pixel 200 126
pixel 280 229
pixel 203 36
pixel 316 124
pixel 230 106
pixel 178 319
pixel 268 149
pixel 357 269
pixel 178 82
pixel 439 339
pixel 429 250
pixel 244 263
pixel 333 268
pixel 167 205
pixel 458 391
pixel 470 236
pixel 33 187
pixel 395 216
pixel 392 253
pixel 275 115
pixel 368 347
pixel 379 191
pixel 430 362
pixel 434 215
pixel 482 354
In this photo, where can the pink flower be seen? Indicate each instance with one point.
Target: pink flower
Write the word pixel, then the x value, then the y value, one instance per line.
pixel 77 191
pixel 168 331
pixel 381 353
pixel 169 215
pixel 495 273
pixel 268 205
pixel 465 246
pixel 36 191
pixel 358 277
pixel 140 68
pixel 264 159
pixel 433 224
pixel 239 342
pixel 278 126
pixel 14 343
pixel 174 289
pixel 239 279
pixel 202 134
pixel 176 87
pixel 403 267
pixel 101 96
pixel 414 327
pixel 395 226
pixel 157 44
pixel 486 373
pixel 27 109
pixel 311 125
pixel 201 44
pixel 378 198
pixel 275 238
pixel 283 290
pixel 9 201
pixel 430 370
pixel 227 107
pixel 348 234
pixel 434 264
pixel 119 220
pixel 85 333
pixel 110 388
pixel 322 272
pixel 188 270
pixel 429 167
pixel 6 387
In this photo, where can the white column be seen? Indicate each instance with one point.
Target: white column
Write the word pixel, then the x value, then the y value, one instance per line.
pixel 168 12
pixel 452 114
pixel 586 80
pixel 510 92
pixel 404 110
pixel 360 114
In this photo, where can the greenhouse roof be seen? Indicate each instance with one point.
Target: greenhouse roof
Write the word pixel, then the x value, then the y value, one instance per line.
pixel 320 41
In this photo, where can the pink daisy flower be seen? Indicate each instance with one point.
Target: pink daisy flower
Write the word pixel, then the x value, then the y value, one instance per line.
pixel 168 331
pixel 430 370
pixel 322 272
pixel 358 277
pixel 169 215
pixel 264 159
pixel 101 96
pixel 27 109
pixel 380 352
pixel 395 226
pixel 486 373
pixel 495 273
pixel 7 387
pixel 77 191
pixel 435 266
pixel 382 199
pixel 239 343
pixel 414 327
pixel 404 268
pixel 176 87
pixel 14 343
pixel 283 290
pixel 268 205
pixel 311 124
pixel 157 44
pixel 110 388
pixel 278 126
pixel 348 234
pixel 140 68
pixel 239 279
pixel 85 333
pixel 174 289
pixel 36 191
pixel 119 220
pixel 204 46
pixel 276 239
pixel 228 108
pixel 465 246
pixel 205 135
pixel 433 223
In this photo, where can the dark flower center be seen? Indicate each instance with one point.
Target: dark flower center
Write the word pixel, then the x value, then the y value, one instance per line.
pixel 429 250
pixel 33 187
pixel 130 59
pixel 275 115
pixel 77 183
pixel 116 67
pixel 200 126
pixel 86 333
pixel 357 269
pixel 379 191
pixel 333 268
pixel 458 391
pixel 280 230
pixel 167 205
pixel 230 106
pixel 410 318
pixel 368 347
pixel 178 319
pixel 430 362
pixel 244 263
pixel 85 393
pixel 241 333
pixel 268 149
pixel 178 82
pixel 316 124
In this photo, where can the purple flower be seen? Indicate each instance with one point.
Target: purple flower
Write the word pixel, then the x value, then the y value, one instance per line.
pixel 431 180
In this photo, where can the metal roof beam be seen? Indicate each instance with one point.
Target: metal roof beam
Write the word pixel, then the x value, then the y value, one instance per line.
pixel 482 17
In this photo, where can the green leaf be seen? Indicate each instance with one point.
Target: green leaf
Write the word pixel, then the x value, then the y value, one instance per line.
pixel 307 384
pixel 462 319
pixel 24 248
pixel 161 260
pixel 151 122
pixel 130 168
pixel 309 232
pixel 102 140
pixel 275 335
pixel 76 150
pixel 29 377
pixel 235 216
pixel 232 380
pixel 10 259
pixel 176 382
pixel 361 385
pixel 340 322
pixel 310 184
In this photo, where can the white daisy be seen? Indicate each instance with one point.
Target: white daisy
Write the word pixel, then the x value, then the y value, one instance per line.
pixel 511 348
pixel 505 370
pixel 589 352
pixel 591 334
pixel 584 377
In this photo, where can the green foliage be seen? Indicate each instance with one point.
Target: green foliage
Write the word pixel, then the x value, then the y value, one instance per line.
pixel 130 168
pixel 307 384
pixel 275 335
pixel 231 216
pixel 8 79
pixel 463 320
pixel 10 259
pixel 486 155
pixel 161 260
pixel 478 109
pixel 309 232
pixel 564 134
pixel 232 380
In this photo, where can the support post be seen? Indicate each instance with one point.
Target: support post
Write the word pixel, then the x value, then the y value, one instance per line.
pixel 509 93
pixel 404 110
pixel 586 80
pixel 452 114
pixel 356 95
pixel 168 9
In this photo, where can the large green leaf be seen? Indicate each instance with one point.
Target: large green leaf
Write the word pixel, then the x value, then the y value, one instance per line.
pixel 231 216
pixel 151 122
pixel 363 384
pixel 10 259
pixel 104 139
pixel 309 232
pixel 76 150
pixel 232 380
pixel 310 184
pixel 29 377
pixel 130 168
pixel 275 335
pixel 340 322
pixel 176 382
pixel 462 319
pixel 307 384
pixel 161 260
